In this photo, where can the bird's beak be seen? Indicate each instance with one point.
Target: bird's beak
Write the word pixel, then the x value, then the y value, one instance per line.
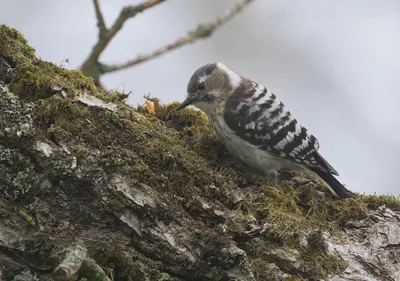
pixel 188 101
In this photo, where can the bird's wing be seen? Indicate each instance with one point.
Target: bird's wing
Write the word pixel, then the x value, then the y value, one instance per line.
pixel 256 115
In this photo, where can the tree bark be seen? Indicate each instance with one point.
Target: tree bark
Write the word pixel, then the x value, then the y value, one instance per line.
pixel 93 189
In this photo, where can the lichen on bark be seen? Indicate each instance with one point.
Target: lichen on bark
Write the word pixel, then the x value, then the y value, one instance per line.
pixel 157 197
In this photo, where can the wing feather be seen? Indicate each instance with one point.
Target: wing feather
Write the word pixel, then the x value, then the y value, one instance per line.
pixel 256 115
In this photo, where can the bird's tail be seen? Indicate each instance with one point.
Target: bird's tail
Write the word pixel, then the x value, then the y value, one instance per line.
pixel 335 187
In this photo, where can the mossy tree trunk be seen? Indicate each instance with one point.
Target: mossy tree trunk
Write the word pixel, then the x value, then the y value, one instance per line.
pixel 94 189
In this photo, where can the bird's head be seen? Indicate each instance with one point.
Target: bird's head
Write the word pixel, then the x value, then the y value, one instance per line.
pixel 209 85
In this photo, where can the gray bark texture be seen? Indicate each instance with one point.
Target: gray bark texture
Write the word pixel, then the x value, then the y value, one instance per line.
pixel 94 189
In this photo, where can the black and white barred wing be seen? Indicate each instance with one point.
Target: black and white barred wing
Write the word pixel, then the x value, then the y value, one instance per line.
pixel 256 115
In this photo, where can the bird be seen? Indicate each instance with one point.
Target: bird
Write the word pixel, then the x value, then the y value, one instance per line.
pixel 255 126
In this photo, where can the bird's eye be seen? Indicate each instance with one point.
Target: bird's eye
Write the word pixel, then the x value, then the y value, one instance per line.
pixel 201 86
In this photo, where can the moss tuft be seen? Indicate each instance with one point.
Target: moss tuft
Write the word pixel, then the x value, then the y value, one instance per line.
pixel 376 201
pixel 290 208
pixel 14 46
pixel 21 184
pixel 27 217
pixel 38 79
pixel 322 264
pixel 127 160
pixel 189 121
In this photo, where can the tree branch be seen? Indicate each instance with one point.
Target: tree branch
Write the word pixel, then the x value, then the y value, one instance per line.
pixel 105 38
pixel 100 19
pixel 202 31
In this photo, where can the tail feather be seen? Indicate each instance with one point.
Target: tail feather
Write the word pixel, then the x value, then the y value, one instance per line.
pixel 337 189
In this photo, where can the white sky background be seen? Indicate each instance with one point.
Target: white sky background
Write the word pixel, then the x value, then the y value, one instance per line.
pixel 335 64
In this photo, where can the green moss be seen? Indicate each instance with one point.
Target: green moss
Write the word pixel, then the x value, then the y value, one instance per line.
pixel 26 275
pixel 17 124
pixel 39 79
pixel 56 106
pixel 42 79
pixel 165 277
pixel 317 258
pixel 36 78
pixel 8 156
pixel 66 118
pixel 290 208
pixel 25 130
pixel 188 121
pixel 263 253
pixel 21 184
pixel 313 264
pixel 115 205
pixel 127 160
pixel 14 46
pixel 323 264
pixel 27 217
pixel 128 266
pixel 80 149
pixel 281 206
pixel 113 96
pixel 376 201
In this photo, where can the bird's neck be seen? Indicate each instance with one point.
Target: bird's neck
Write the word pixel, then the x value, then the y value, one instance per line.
pixel 212 110
pixel 207 108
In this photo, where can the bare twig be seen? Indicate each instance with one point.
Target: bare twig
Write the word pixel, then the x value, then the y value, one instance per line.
pixel 100 19
pixel 91 65
pixel 202 31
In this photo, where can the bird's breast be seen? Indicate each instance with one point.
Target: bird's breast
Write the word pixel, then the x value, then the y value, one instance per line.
pixel 251 155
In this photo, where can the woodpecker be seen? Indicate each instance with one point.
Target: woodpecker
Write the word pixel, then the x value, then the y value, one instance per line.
pixel 254 125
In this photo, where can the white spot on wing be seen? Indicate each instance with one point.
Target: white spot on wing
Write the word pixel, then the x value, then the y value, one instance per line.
pixel 300 147
pixel 298 129
pixel 264 98
pixel 258 91
pixel 280 145
pixel 253 109
pixel 234 78
pixel 289 137
pixel 263 137
pixel 287 122
pixel 275 105
pixel 251 125
pixel 239 106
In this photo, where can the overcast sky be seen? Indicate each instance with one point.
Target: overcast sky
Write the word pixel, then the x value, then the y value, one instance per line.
pixel 335 64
